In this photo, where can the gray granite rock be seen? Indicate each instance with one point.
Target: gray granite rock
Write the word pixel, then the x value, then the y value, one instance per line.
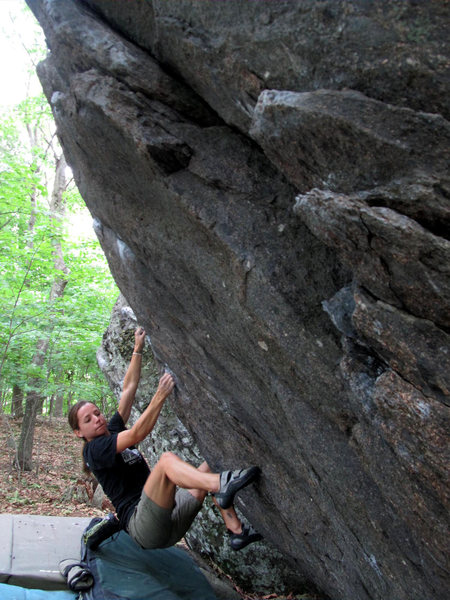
pixel 269 181
pixel 260 567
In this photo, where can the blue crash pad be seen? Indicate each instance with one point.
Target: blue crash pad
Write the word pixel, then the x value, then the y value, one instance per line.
pixel 127 570
pixel 13 592
pixel 31 547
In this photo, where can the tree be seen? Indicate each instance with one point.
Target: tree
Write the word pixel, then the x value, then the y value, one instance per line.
pixel 53 288
pixel 35 396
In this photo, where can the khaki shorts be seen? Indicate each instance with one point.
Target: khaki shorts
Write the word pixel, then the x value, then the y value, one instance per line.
pixel 152 526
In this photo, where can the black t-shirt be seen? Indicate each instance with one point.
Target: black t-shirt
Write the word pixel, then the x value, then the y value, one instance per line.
pixel 121 475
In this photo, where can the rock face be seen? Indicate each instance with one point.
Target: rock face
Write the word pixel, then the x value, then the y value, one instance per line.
pixel 269 181
pixel 207 536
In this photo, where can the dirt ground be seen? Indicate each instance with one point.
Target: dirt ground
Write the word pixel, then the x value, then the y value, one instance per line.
pixel 56 485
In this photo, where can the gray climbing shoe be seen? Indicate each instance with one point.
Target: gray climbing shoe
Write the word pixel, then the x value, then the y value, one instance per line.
pixel 243 539
pixel 233 481
pixel 77 574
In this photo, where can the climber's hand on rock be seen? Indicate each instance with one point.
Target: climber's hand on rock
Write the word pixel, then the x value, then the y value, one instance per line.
pixel 166 385
pixel 139 339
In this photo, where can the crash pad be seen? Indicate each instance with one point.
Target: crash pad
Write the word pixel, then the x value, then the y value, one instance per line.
pixel 122 567
pixel 13 592
pixel 31 547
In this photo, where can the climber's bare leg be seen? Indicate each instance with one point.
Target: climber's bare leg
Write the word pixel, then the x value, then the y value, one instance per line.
pixel 229 516
pixel 170 471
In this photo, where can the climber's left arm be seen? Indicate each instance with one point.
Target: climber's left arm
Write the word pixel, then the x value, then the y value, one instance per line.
pixel 132 376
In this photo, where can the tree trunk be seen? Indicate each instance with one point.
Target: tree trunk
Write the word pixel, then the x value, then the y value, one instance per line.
pixel 35 397
pixel 58 402
pixel 17 402
pixel 70 401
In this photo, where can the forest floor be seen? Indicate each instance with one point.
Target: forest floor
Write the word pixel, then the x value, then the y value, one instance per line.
pixel 57 486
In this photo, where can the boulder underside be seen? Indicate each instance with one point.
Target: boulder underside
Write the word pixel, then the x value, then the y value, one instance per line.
pixel 269 182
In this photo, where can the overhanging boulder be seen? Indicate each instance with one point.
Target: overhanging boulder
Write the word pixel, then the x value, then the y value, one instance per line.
pixel 299 297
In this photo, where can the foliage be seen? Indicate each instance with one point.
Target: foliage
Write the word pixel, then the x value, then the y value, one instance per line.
pixel 29 231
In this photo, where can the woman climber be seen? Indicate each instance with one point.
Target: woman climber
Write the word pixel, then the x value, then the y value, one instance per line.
pixel 155 507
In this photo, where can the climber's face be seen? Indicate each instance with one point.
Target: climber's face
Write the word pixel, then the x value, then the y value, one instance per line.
pixel 91 422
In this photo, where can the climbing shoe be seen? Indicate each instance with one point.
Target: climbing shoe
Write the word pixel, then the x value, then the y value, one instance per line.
pixel 233 481
pixel 101 531
pixel 78 576
pixel 246 537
